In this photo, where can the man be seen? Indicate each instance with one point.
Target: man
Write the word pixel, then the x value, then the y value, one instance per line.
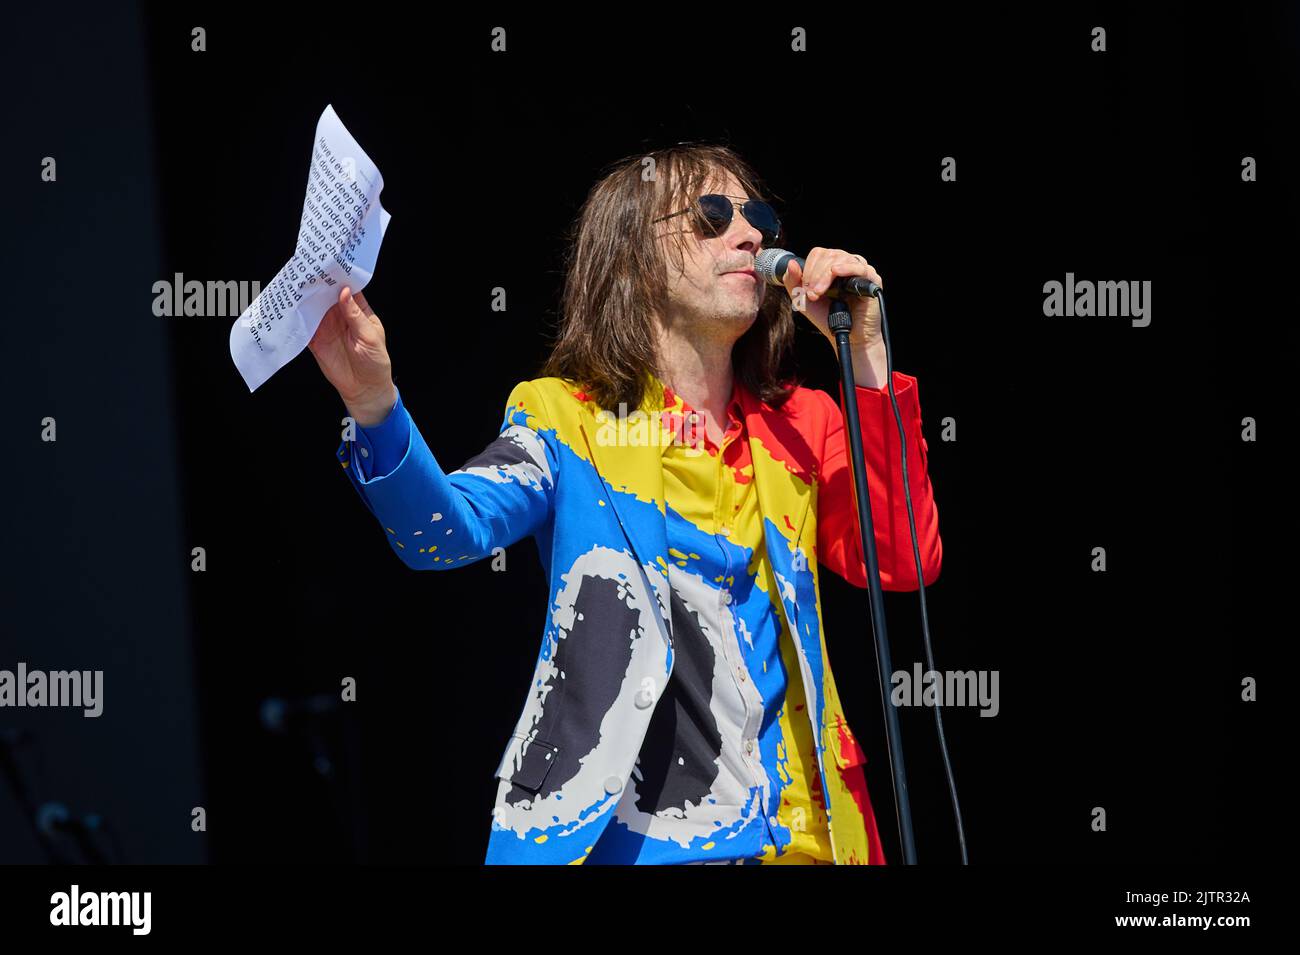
pixel 682 492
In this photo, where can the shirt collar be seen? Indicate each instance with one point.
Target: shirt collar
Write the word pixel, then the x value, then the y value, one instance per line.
pixel 674 405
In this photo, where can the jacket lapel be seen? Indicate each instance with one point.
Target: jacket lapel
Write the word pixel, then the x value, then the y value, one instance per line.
pixel 783 497
pixel 633 476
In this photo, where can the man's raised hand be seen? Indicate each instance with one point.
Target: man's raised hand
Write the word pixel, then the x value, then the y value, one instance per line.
pixel 349 345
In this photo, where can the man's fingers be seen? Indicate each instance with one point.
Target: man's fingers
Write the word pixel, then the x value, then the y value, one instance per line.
pixel 812 269
pixel 792 280
pixel 793 275
pixel 352 313
pixel 836 264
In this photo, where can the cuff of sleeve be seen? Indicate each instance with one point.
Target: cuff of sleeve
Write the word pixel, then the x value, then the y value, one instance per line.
pixel 904 391
pixel 386 429
pixel 902 383
pixel 380 448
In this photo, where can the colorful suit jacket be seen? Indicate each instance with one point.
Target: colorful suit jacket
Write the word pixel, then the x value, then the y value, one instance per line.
pixel 590 492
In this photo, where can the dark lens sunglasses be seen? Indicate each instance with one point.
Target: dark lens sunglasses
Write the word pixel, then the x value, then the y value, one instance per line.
pixel 715 212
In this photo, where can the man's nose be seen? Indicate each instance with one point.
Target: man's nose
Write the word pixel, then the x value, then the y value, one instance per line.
pixel 744 236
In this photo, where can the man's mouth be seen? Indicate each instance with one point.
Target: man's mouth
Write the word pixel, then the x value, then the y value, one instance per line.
pixel 750 272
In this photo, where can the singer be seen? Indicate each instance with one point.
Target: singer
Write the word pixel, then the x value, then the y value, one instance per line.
pixel 682 709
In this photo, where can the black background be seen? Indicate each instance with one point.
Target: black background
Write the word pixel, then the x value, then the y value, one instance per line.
pixel 1119 690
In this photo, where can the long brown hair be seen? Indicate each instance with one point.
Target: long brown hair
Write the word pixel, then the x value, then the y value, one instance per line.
pixel 614 279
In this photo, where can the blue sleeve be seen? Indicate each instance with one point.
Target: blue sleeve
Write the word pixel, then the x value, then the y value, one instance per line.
pixel 436 519
pixel 381 447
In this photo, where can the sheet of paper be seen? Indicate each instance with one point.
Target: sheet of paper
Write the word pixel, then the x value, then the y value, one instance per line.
pixel 342 227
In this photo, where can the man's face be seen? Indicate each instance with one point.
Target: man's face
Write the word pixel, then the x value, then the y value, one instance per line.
pixel 718 290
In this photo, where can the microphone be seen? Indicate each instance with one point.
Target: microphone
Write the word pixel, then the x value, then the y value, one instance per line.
pixel 770 265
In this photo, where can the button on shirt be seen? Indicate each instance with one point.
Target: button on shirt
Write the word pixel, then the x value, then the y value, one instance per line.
pixel 727 772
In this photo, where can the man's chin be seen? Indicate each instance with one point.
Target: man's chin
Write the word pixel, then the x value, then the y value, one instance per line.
pixel 745 315
pixel 745 303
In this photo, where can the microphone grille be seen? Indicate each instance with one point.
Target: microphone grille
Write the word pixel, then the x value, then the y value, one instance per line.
pixel 765 264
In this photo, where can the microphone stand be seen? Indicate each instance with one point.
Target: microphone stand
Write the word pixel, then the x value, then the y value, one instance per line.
pixel 50 820
pixel 841 324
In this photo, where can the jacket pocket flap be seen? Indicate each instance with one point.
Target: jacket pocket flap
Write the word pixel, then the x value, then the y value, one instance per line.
pixel 526 761
pixel 844 745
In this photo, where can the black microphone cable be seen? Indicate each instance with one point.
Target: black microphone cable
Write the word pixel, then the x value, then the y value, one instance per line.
pixel 916 553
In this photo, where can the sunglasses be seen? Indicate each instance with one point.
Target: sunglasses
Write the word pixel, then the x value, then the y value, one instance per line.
pixel 715 212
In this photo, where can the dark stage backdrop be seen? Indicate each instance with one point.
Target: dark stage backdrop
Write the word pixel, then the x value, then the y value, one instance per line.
pixel 95 556
pixel 1118 689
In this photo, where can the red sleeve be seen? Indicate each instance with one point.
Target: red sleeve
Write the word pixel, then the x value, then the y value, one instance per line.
pixel 838 540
